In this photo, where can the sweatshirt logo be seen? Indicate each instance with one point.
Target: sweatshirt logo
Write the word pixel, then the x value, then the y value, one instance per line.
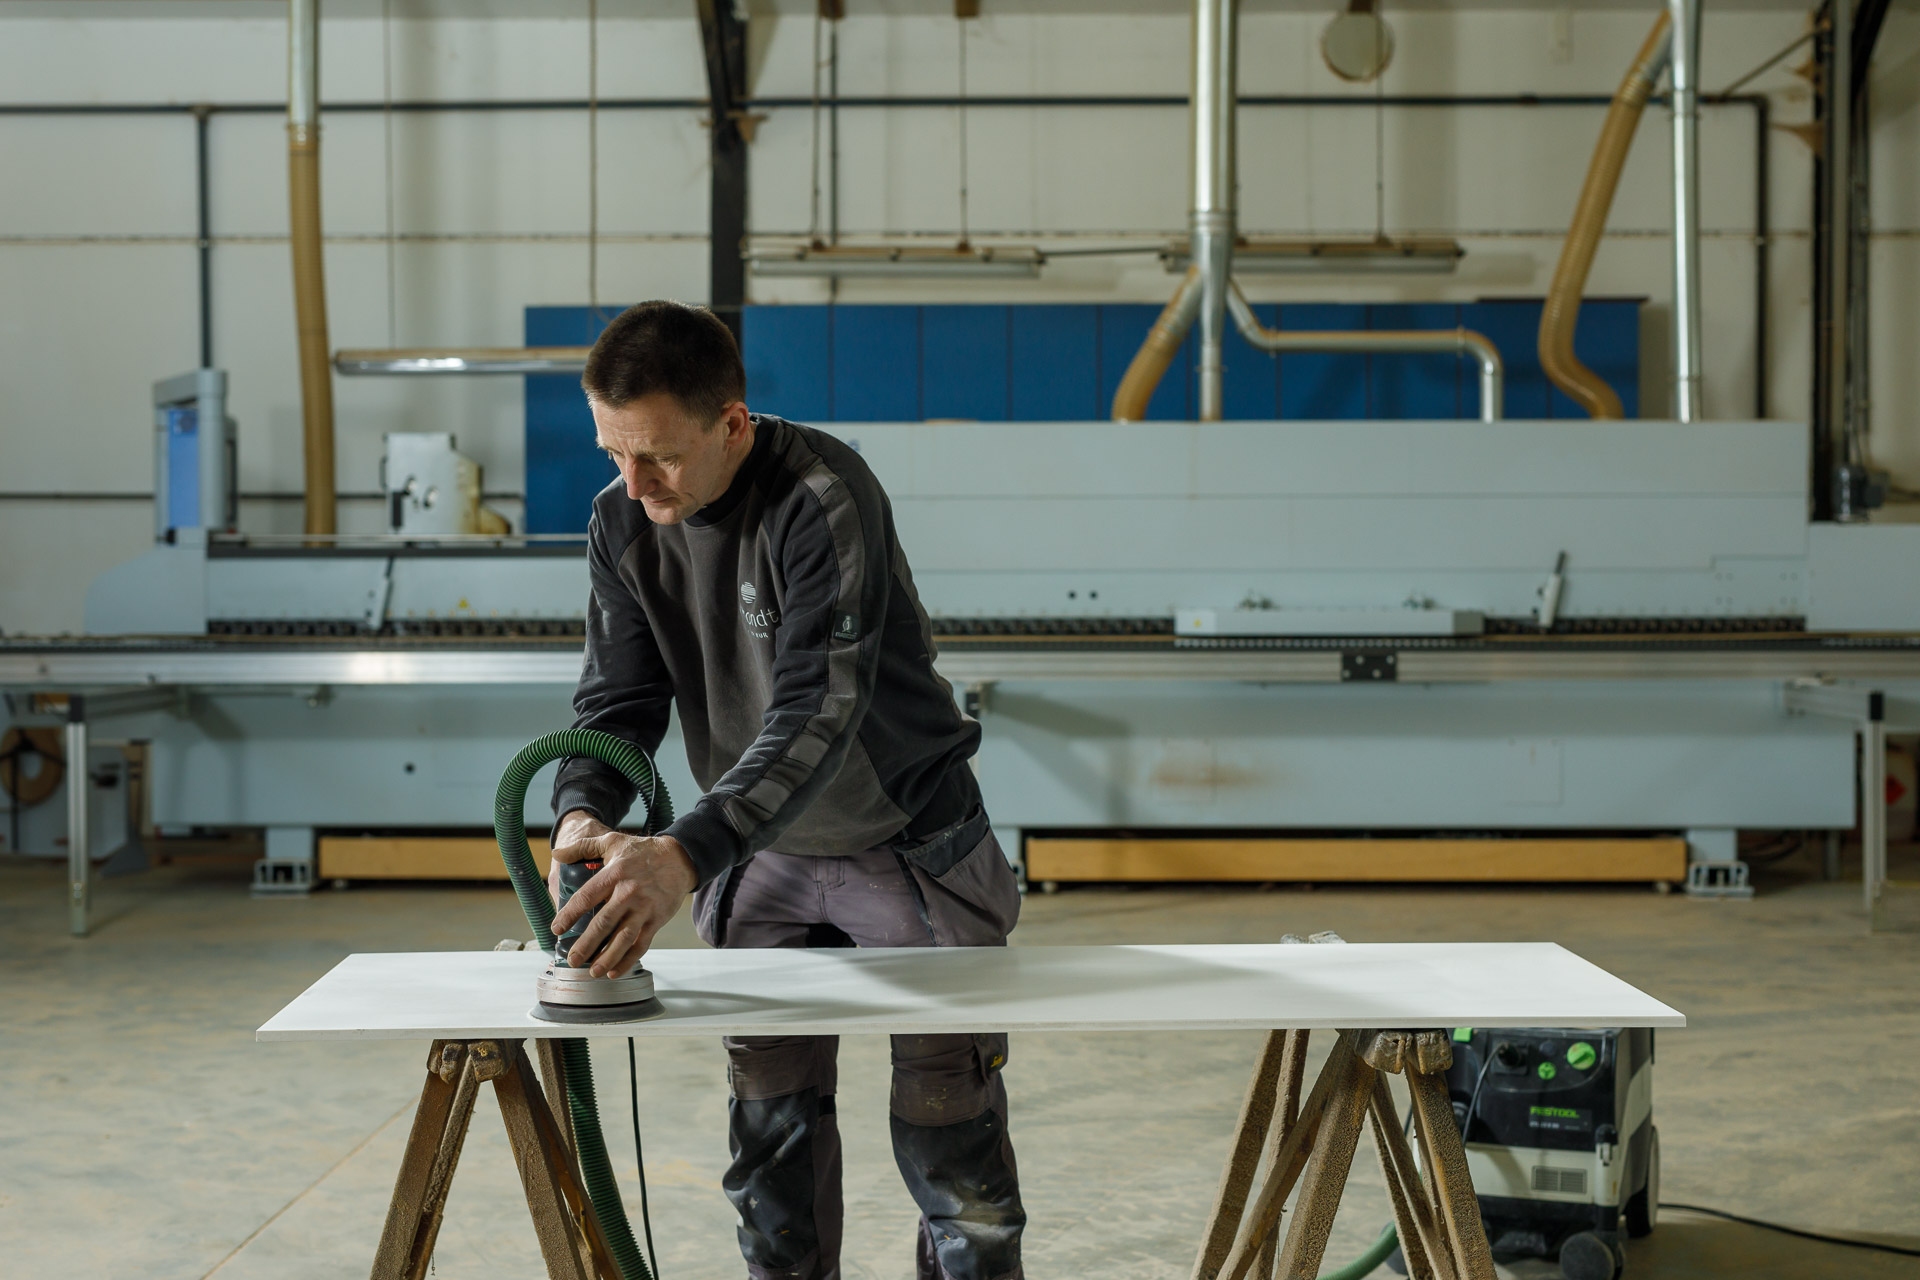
pixel 760 622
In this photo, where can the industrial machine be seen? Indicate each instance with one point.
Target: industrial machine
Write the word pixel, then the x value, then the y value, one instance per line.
pixel 1560 1140
pixel 432 488
pixel 194 457
pixel 1322 626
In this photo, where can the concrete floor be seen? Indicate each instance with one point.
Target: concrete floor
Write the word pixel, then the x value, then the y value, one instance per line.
pixel 143 1133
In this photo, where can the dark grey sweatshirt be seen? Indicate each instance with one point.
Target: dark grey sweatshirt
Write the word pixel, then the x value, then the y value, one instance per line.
pixel 782 619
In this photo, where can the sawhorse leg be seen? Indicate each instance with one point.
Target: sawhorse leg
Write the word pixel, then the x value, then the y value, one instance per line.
pixel 1310 1145
pixel 570 1237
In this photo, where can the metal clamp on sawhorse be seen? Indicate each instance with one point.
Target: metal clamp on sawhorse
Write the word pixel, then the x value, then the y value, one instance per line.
pixel 1285 1142
pixel 571 1240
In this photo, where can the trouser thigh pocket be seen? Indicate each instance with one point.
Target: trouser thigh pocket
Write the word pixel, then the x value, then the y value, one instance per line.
pixel 973 901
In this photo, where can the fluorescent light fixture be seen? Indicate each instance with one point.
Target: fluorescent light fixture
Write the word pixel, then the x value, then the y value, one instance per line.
pixel 1351 255
pixel 463 360
pixel 944 261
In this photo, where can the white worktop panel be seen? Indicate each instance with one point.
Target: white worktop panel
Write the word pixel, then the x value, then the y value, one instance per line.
pixel 475 994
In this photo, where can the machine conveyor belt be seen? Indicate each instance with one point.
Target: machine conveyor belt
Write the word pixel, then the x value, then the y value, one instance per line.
pixel 117 663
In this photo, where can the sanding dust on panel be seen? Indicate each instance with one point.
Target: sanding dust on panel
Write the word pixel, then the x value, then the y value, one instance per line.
pixel 1435 860
pixel 418 858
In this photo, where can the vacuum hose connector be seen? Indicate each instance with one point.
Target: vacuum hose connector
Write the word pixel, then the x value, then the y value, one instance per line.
pixel 510 832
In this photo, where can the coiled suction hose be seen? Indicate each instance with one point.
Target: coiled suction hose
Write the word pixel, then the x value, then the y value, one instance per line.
pixel 510 832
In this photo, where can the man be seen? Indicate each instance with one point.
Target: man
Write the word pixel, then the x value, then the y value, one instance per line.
pixel 746 569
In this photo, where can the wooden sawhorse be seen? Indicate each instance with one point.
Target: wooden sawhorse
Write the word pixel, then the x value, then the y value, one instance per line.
pixel 1311 1144
pixel 1281 1141
pixel 537 1126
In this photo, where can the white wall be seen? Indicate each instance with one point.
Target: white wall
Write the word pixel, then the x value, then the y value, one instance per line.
pixel 97 265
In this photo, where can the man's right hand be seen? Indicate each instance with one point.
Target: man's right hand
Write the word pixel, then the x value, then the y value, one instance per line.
pixel 639 889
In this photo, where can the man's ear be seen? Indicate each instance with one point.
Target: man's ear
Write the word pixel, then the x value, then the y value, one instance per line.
pixel 736 421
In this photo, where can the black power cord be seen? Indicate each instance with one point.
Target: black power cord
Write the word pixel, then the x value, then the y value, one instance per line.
pixel 1791 1231
pixel 640 1161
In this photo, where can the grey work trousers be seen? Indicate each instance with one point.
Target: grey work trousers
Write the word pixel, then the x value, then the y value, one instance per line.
pixel 948 1103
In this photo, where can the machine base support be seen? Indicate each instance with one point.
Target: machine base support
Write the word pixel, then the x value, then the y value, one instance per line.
pixel 288 868
pixel 563 1218
pixel 1714 868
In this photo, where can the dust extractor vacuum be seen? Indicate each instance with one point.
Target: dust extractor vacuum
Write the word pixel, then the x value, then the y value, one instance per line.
pixel 1558 1128
pixel 564 993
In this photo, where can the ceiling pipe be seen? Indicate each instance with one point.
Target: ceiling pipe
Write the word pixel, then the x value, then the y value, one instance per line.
pixel 1211 224
pixel 1685 61
pixel 1562 309
pixel 309 272
pixel 1460 341
pixel 1208 293
pixel 467 360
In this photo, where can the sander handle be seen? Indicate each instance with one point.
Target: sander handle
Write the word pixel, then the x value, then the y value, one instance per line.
pixel 573 876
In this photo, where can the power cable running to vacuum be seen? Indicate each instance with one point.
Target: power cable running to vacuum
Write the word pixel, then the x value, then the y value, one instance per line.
pixel 1876 1246
pixel 640 1159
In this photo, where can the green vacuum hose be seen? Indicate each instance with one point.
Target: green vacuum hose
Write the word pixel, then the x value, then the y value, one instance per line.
pixel 1366 1263
pixel 510 832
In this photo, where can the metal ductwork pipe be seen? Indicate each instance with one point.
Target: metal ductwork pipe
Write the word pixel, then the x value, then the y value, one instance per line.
pixel 309 272
pixel 1459 341
pixel 1685 18
pixel 1562 310
pixel 462 360
pixel 1211 226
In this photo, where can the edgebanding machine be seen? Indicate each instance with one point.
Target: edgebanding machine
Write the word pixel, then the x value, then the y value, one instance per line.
pixel 1335 627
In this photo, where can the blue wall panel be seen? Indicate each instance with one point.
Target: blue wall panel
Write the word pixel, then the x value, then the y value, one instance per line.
pixel 1327 387
pixel 876 364
pixel 1410 384
pixel 963 362
pixel 1054 365
pixel 563 467
pixel 1058 362
pixel 788 354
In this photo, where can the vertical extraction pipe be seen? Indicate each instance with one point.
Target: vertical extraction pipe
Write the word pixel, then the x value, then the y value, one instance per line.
pixel 1685 17
pixel 1849 452
pixel 1211 227
pixel 309 274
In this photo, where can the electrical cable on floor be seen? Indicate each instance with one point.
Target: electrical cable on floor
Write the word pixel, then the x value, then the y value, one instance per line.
pixel 1874 1245
pixel 640 1161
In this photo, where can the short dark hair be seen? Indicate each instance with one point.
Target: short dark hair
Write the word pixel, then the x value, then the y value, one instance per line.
pixel 668 346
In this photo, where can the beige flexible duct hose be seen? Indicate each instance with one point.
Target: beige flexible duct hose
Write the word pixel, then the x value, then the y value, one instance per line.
pixel 310 319
pixel 1156 353
pixel 1562 309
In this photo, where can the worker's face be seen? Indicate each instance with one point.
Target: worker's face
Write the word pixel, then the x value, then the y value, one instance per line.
pixel 672 463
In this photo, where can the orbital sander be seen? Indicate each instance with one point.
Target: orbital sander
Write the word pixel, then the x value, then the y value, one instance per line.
pixel 574 995
pixel 567 994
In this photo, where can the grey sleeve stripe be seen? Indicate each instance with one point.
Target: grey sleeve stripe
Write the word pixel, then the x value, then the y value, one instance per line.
pixel 820 740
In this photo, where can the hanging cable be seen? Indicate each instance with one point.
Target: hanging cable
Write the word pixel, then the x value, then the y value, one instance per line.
pixel 386 113
pixel 1379 134
pixel 593 160
pixel 813 163
pixel 962 24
